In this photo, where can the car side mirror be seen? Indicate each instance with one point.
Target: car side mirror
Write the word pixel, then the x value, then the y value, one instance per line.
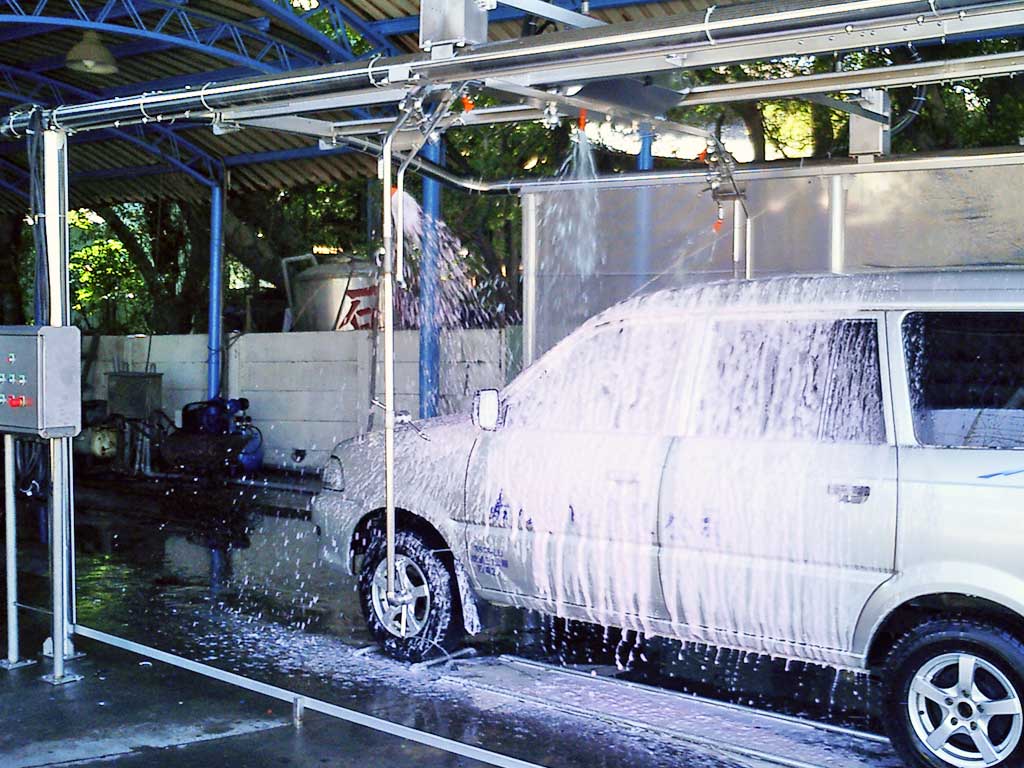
pixel 487 410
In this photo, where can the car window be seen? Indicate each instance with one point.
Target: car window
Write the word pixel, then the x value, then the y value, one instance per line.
pixel 854 408
pixel 801 379
pixel 966 377
pixel 619 377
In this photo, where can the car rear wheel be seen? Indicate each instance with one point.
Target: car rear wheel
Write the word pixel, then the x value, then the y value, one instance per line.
pixel 422 619
pixel 953 695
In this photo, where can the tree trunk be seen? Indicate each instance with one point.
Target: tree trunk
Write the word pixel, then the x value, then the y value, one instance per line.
pixel 753 119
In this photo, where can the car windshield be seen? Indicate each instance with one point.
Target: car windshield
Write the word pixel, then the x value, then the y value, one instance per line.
pixel 966 377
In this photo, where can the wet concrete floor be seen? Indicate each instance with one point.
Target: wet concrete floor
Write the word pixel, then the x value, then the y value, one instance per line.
pixel 272 611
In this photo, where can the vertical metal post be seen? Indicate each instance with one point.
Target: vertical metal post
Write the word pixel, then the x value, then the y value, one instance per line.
pixel 430 287
pixel 751 252
pixel 739 239
pixel 215 322
pixel 13 659
pixel 837 223
pixel 643 221
pixel 55 191
pixel 387 314
pixel 529 261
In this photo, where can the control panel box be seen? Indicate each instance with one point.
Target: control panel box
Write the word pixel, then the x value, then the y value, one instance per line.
pixel 41 380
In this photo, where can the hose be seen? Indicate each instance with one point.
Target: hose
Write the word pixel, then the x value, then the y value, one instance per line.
pixel 914 110
pixel 37 205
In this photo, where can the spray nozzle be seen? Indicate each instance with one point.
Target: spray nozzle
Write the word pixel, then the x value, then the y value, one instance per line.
pixel 581 121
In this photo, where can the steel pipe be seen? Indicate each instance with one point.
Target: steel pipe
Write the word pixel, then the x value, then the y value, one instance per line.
pixel 215 312
pixel 13 659
pixel 55 194
pixel 430 289
pixel 837 223
pixel 387 312
pixel 644 221
pixel 574 55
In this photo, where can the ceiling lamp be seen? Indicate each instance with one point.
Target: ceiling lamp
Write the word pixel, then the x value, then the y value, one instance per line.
pixel 91 56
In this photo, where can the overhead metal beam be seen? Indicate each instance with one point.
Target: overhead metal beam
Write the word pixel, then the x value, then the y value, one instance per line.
pixel 361 27
pixel 285 13
pixel 236 42
pixel 409 25
pixel 290 106
pixel 540 98
pixel 157 140
pixel 850 107
pixel 802 28
pixel 969 68
pixel 116 11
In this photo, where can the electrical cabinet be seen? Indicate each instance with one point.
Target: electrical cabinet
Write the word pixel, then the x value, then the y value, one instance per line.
pixel 41 380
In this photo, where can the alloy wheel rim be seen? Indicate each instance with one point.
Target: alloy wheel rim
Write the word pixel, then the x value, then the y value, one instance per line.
pixel 965 710
pixel 408 615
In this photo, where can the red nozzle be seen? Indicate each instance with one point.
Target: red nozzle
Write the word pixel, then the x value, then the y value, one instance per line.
pixel 394 191
pixel 468 105
pixel 717 226
pixel 581 121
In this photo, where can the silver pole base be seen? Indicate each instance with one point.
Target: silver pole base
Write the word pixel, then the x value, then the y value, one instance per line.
pixel 70 654
pixel 68 677
pixel 5 664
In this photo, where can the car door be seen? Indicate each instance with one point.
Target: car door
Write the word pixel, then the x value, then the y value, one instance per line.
pixel 961 448
pixel 778 509
pixel 562 499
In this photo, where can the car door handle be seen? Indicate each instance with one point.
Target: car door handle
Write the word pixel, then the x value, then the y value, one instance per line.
pixel 850 494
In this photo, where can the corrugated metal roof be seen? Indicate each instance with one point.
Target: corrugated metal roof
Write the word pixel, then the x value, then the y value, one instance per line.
pixel 96 161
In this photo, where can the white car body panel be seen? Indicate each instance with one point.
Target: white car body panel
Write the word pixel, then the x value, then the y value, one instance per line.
pixel 736 543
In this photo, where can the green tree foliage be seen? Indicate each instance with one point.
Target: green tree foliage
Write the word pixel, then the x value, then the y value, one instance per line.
pixel 107 290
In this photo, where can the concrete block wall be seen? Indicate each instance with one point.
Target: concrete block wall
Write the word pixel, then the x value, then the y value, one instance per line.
pixel 181 360
pixel 309 390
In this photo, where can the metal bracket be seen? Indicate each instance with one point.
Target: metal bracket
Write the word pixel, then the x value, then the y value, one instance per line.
pixel 868 135
pixel 554 12
pixel 69 649
pixel 224 127
pixel 9 665
pixel 852 107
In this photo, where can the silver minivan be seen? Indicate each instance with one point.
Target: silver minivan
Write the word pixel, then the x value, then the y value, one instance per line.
pixel 823 468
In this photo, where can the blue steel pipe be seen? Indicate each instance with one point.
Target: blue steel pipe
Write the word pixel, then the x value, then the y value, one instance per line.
pixel 216 311
pixel 644 222
pixel 430 285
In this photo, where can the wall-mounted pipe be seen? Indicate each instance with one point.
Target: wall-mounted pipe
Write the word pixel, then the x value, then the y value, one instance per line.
pixel 586 50
pixel 775 170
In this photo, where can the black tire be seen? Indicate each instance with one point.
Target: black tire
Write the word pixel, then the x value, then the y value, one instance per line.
pixel 441 628
pixel 931 648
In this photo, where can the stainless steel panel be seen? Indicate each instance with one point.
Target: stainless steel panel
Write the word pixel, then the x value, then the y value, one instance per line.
pixel 457 22
pixel 935 218
pixel 40 380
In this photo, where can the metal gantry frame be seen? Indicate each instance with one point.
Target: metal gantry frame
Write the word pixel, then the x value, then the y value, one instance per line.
pixel 540 75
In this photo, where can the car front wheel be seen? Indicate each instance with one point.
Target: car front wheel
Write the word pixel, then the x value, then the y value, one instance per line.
pixel 422 619
pixel 953 695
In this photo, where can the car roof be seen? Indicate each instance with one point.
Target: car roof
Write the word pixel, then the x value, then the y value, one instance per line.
pixel 989 288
